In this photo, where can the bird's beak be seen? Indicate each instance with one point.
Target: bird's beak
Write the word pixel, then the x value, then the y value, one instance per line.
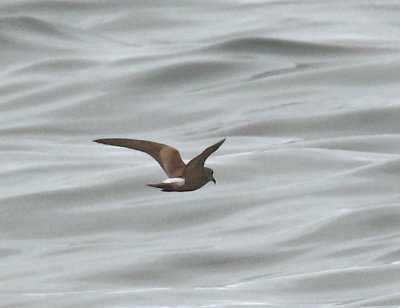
pixel 215 182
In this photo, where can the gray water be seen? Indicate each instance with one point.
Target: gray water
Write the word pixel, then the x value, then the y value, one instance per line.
pixel 306 210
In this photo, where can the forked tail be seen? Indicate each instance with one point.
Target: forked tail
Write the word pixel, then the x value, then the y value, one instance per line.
pixel 170 184
pixel 164 186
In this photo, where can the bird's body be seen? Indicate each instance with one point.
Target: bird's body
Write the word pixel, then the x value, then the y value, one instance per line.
pixel 182 177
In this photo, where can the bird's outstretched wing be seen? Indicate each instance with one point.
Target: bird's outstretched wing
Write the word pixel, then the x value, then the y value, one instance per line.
pixel 168 157
pixel 199 160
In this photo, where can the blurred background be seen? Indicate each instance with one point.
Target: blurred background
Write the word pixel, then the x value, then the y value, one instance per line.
pixel 306 209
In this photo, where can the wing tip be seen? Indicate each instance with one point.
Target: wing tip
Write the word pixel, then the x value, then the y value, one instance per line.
pixel 219 143
pixel 109 141
pixel 102 140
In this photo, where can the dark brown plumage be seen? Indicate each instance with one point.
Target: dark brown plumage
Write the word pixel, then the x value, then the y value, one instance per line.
pixel 181 177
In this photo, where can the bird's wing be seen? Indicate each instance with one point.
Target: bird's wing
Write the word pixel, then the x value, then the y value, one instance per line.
pixel 168 157
pixel 199 160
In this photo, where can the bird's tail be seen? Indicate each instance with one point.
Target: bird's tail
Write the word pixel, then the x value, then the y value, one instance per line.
pixel 164 186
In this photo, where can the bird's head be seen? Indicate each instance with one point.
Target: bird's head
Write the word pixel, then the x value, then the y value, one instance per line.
pixel 209 172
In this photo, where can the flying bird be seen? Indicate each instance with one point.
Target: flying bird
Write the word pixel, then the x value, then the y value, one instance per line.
pixel 181 177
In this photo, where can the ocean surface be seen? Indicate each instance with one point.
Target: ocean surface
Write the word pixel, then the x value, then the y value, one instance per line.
pixel 306 210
